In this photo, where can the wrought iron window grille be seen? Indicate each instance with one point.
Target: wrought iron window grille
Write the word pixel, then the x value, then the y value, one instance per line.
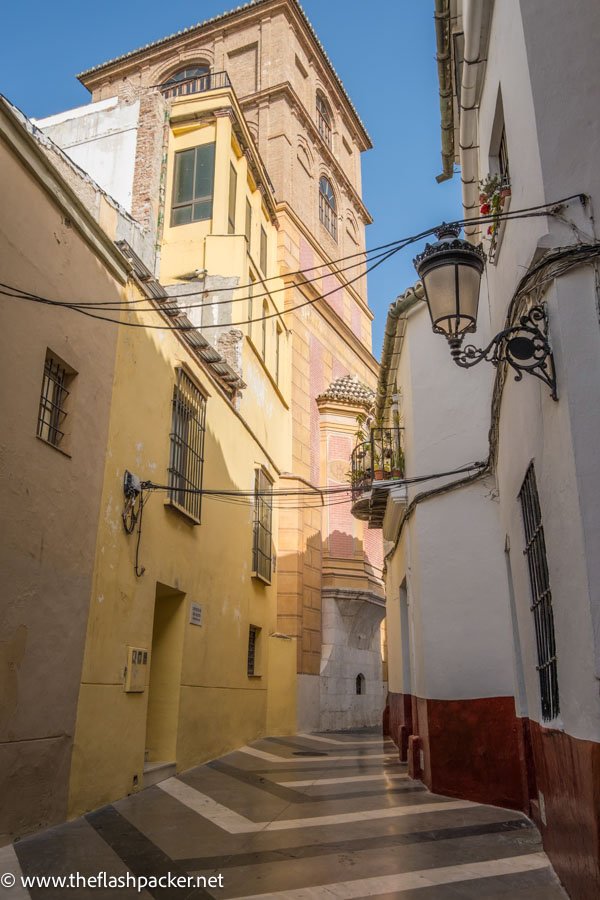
pixel 187 446
pixel 53 401
pixel 253 633
pixel 541 595
pixel 263 526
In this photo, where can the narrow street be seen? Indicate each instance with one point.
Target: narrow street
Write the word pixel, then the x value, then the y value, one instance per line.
pixel 295 818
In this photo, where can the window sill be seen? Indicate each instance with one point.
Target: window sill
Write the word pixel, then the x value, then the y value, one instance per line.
pixel 255 675
pixel 262 578
pixel 54 446
pixel 182 511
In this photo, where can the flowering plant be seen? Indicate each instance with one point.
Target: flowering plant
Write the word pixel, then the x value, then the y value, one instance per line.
pixel 493 189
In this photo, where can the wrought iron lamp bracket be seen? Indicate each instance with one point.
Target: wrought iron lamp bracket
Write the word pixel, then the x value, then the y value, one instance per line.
pixel 524 347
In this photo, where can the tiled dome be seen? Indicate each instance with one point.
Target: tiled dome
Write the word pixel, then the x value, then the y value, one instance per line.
pixel 349 390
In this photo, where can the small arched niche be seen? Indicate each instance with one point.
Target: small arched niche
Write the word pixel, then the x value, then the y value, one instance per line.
pixel 361 684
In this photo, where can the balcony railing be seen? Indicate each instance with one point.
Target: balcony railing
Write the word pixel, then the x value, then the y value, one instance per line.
pixel 381 458
pixel 211 81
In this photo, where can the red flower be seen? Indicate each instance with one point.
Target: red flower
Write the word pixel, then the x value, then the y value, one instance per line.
pixel 485 209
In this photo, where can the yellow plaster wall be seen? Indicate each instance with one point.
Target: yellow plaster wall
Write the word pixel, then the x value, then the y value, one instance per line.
pixel 220 707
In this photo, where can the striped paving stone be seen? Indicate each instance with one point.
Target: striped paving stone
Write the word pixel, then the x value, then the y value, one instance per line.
pixel 303 818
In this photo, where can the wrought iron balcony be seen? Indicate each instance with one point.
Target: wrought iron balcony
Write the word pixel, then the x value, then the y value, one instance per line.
pixel 211 81
pixel 375 463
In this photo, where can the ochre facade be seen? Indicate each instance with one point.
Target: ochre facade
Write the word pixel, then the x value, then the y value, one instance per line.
pixel 277 68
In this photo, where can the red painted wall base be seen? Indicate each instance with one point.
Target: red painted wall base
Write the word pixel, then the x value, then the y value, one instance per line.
pixel 479 750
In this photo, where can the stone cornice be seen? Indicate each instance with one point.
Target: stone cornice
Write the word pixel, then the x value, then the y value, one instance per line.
pixel 255 10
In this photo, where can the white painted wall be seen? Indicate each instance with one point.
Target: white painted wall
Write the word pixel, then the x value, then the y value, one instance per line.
pixel 553 136
pixel 351 646
pixel 452 550
pixel 100 138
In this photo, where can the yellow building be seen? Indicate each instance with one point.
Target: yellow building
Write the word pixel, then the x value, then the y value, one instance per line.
pixel 183 660
pixel 220 610
pixel 310 138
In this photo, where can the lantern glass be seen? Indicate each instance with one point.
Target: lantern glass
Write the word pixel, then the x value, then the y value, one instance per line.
pixel 451 273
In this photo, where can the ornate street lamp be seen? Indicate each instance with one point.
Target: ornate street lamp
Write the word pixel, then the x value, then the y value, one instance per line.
pixel 451 270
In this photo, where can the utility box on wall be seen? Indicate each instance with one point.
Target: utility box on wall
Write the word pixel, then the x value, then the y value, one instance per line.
pixel 136 673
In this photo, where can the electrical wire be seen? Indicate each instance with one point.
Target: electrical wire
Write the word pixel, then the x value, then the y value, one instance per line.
pixel 191 327
pixel 237 495
pixel 117 305
pixel 83 308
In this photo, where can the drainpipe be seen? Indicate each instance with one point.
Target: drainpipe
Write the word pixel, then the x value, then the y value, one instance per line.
pixel 472 13
pixel 444 65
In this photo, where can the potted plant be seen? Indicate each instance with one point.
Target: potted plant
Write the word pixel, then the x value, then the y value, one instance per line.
pixel 398 463
pixel 493 191
pixel 377 466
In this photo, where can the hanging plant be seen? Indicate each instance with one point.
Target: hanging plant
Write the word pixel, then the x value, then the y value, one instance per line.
pixel 493 190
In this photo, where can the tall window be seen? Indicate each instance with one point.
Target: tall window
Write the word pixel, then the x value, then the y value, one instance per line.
pixel 541 595
pixel 54 400
pixel 232 199
pixel 278 333
pixel 265 313
pixel 251 303
pixel 263 514
pixel 503 158
pixel 248 228
pixel 263 250
pixel 193 185
pixel 327 206
pixel 324 119
pixel 253 650
pixel 187 445
pixel 190 80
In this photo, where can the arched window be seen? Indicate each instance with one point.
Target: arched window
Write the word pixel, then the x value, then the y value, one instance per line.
pixel 324 119
pixel 191 80
pixel 361 684
pixel 327 206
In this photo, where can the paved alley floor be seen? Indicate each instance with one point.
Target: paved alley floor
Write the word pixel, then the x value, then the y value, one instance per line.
pixel 303 818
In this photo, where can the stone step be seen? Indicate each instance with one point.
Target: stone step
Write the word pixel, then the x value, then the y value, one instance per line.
pixel 158 771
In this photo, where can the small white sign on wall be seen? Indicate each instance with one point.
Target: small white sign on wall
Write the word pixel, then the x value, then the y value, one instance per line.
pixel 195 614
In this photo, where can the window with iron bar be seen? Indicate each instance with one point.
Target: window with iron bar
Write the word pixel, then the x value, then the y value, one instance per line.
pixel 187 446
pixel 324 120
pixel 253 648
pixel 327 206
pixel 263 250
pixel 541 595
pixel 251 303
pixel 232 199
pixel 503 159
pixel 263 517
pixel 248 228
pixel 53 401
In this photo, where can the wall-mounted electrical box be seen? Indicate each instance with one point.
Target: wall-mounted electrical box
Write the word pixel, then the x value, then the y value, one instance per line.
pixel 131 484
pixel 136 673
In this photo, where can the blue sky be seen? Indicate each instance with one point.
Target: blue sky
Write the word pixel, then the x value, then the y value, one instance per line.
pixel 383 50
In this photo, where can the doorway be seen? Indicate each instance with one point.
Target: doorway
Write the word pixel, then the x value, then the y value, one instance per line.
pixel 164 684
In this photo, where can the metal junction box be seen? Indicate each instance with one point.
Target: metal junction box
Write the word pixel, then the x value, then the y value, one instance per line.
pixel 136 673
